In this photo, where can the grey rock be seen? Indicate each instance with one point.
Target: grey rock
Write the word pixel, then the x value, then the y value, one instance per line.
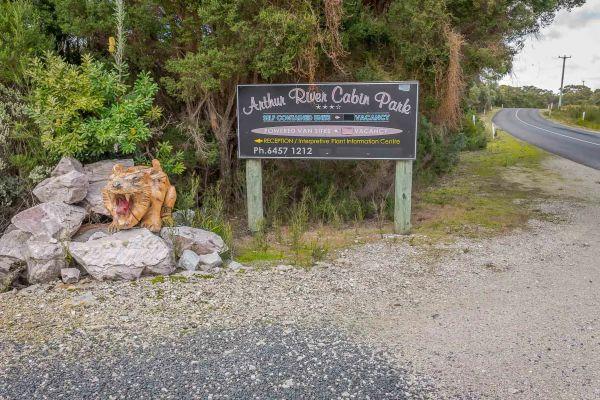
pixel 66 165
pixel 69 188
pixel 98 174
pixel 284 268
pixel 11 274
pixel 12 252
pixel 184 217
pixel 54 219
pixel 98 235
pixel 10 228
pixel 125 255
pixel 236 266
pixel 6 265
pixel 32 289
pixel 189 260
pixel 93 201
pixel 46 257
pixel 86 299
pixel 12 248
pixel 198 240
pixel 86 232
pixel 101 170
pixel 210 261
pixel 70 275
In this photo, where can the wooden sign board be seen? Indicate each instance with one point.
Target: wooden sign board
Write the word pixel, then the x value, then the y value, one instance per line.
pixel 332 121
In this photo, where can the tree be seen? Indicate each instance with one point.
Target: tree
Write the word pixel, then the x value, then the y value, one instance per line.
pixel 22 37
pixel 577 94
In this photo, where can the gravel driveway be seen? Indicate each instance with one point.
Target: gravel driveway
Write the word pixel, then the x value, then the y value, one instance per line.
pixel 515 316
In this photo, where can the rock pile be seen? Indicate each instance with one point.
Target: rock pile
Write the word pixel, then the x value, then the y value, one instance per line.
pixel 49 237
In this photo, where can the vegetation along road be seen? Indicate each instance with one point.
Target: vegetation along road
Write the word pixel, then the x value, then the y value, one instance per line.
pixel 578 145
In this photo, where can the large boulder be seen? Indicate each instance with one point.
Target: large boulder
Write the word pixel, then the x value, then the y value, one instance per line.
pixel 66 165
pixel 98 174
pixel 101 170
pixel 55 219
pixel 69 188
pixel 125 255
pixel 45 258
pixel 183 238
pixel 12 249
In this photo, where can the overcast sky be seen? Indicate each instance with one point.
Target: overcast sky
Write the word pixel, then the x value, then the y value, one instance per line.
pixel 575 33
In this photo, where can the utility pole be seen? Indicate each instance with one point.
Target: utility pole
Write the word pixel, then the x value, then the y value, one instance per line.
pixel 562 79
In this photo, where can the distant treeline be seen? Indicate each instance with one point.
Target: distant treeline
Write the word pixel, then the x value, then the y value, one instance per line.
pixel 490 94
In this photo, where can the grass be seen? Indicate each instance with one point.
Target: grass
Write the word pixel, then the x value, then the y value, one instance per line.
pixel 477 199
pixel 572 115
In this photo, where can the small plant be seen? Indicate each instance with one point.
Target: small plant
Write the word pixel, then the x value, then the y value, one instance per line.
pixel 260 237
pixel 276 205
pixel 178 279
pixel 298 224
pixel 171 162
pixel 187 195
pixel 318 252
pixel 380 207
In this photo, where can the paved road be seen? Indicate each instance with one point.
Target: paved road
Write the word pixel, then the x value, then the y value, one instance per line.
pixel 574 144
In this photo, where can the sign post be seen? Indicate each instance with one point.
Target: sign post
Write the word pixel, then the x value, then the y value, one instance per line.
pixel 254 195
pixel 402 196
pixel 331 121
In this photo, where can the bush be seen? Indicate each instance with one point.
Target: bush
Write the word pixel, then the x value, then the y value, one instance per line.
pixel 475 133
pixel 437 151
pixel 86 112
pixel 592 113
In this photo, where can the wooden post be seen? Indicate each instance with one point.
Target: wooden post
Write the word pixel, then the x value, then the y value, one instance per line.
pixel 402 198
pixel 254 194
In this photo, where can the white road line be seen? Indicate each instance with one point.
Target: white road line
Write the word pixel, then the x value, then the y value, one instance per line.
pixel 552 132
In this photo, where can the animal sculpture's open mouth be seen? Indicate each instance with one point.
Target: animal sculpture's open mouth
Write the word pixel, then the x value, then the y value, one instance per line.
pixel 124 203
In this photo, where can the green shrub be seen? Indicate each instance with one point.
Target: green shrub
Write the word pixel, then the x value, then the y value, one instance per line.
pixel 22 159
pixel 22 37
pixel 475 133
pixel 299 215
pixel 86 112
pixel 12 189
pixel 437 151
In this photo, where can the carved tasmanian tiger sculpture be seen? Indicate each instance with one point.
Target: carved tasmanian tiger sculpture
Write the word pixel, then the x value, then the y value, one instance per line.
pixel 139 195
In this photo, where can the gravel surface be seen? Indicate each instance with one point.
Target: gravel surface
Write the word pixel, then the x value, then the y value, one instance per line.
pixel 254 363
pixel 514 316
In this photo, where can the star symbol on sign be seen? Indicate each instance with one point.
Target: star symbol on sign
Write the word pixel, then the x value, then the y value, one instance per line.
pixel 331 106
pixel 318 107
pixel 339 107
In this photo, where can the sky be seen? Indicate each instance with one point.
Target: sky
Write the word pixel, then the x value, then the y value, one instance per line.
pixel 576 34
